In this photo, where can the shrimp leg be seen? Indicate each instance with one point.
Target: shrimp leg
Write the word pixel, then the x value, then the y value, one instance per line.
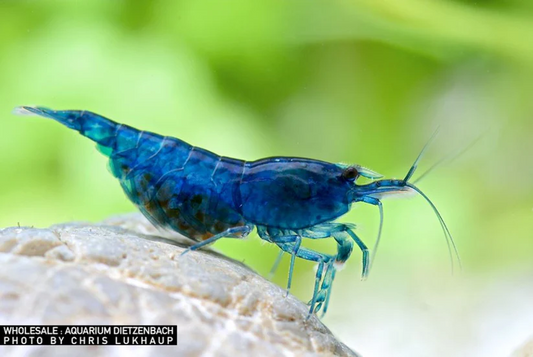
pixel 345 238
pixel 344 235
pixel 234 232
pixel 345 241
pixel 281 252
pixel 293 241
pixel 311 255
pixel 276 264
pixel 291 244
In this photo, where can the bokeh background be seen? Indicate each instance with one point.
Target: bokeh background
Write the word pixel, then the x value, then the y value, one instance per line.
pixel 345 81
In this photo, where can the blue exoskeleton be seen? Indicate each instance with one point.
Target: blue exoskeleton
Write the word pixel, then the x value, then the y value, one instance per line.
pixel 206 197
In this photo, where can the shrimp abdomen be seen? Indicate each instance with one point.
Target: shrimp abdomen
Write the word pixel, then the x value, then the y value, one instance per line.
pixel 174 184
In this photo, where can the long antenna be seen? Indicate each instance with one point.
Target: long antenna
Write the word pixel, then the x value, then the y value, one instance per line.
pixel 447 234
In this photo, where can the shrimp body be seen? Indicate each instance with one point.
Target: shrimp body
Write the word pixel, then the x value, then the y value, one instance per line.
pixel 206 197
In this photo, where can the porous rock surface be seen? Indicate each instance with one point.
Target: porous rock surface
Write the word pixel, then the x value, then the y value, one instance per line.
pixel 122 272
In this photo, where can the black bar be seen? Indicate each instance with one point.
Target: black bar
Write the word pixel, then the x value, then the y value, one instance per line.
pixel 83 335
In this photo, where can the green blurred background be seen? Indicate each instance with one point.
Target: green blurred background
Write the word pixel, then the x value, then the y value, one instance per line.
pixel 362 82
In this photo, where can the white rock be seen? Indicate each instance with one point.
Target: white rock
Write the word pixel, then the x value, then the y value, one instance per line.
pixel 118 272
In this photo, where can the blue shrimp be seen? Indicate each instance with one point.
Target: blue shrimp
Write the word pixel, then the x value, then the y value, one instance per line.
pixel 206 197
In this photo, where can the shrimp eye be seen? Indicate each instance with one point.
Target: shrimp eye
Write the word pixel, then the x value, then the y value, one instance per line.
pixel 350 173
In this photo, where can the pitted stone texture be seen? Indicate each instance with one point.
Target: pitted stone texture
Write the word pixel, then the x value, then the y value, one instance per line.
pixel 118 273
